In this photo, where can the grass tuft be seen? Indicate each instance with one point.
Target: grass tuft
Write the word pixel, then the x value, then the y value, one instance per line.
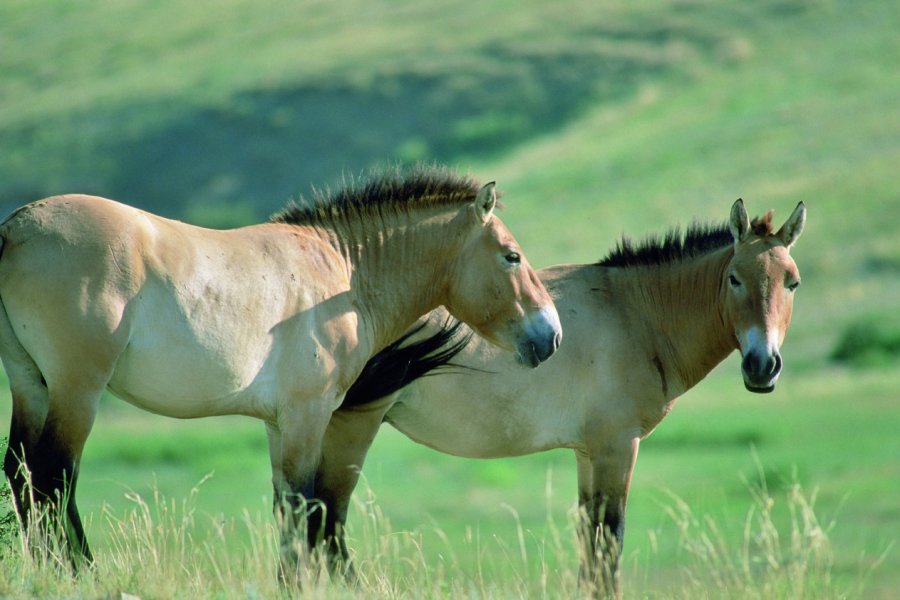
pixel 773 560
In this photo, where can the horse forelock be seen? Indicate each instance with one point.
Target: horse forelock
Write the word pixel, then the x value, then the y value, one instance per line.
pixel 388 190
pixel 762 226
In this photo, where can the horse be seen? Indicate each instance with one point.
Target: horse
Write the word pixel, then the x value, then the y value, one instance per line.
pixel 273 321
pixel 643 326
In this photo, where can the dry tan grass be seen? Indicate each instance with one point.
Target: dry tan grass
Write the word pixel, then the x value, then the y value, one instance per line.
pixel 784 553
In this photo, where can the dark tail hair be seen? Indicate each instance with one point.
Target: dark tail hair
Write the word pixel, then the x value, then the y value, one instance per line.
pixel 397 366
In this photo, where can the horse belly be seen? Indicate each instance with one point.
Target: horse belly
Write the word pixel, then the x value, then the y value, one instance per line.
pixel 465 415
pixel 181 383
pixel 183 380
pixel 191 360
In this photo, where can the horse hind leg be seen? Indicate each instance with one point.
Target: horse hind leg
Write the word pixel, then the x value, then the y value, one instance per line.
pixel 29 411
pixel 47 436
pixel 30 403
pixel 70 417
pixel 54 477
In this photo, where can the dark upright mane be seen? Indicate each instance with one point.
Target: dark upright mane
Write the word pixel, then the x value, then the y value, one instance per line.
pixel 392 190
pixel 699 239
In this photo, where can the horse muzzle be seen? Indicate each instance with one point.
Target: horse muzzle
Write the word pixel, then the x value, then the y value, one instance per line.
pixel 541 337
pixel 761 371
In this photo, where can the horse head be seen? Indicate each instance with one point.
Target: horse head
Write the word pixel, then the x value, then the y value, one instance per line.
pixel 494 289
pixel 760 282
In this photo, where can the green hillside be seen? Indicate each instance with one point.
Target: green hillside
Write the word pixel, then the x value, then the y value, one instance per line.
pixel 163 106
pixel 596 119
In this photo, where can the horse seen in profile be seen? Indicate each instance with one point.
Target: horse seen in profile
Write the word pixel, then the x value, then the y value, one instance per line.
pixel 643 326
pixel 273 321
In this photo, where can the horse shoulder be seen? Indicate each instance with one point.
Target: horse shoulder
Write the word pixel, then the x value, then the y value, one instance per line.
pixel 321 334
pixel 605 347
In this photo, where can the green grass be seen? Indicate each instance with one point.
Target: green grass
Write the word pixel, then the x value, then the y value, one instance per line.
pixel 784 550
pixel 596 120
pixel 716 447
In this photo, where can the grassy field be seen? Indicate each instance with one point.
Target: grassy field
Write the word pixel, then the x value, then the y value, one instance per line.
pixel 596 119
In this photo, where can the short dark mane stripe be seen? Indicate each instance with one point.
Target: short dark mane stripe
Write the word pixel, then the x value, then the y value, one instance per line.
pixel 699 239
pixel 392 189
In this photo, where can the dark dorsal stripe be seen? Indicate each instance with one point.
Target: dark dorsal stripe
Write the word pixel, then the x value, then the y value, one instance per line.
pixel 672 246
pixel 387 190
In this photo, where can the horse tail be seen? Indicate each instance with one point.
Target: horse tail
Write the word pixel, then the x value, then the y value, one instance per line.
pixel 399 364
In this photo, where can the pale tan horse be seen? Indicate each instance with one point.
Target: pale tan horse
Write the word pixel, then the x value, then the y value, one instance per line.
pixel 272 321
pixel 643 326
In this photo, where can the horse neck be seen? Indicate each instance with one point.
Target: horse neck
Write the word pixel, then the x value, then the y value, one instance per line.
pixel 685 303
pixel 399 265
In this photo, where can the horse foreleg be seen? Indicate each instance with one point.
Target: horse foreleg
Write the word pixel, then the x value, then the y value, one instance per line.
pixel 295 447
pixel 604 478
pixel 347 441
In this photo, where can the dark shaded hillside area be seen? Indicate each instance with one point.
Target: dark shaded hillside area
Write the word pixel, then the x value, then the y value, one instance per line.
pixel 238 158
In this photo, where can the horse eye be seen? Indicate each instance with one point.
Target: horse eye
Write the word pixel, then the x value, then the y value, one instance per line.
pixel 733 281
pixel 513 258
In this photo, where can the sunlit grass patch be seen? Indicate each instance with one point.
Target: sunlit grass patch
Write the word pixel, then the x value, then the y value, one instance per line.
pixel 792 561
pixel 156 549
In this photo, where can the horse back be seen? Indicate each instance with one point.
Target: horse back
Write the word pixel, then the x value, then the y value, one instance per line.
pixel 177 319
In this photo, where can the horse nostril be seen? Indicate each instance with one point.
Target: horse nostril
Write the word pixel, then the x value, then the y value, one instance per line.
pixel 762 366
pixel 776 367
pixel 544 347
pixel 747 364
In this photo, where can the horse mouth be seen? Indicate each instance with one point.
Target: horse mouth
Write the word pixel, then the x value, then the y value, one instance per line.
pixel 527 355
pixel 760 389
pixel 535 350
pixel 761 372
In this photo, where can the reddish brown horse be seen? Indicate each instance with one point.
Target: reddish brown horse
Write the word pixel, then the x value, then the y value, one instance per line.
pixel 643 326
pixel 273 321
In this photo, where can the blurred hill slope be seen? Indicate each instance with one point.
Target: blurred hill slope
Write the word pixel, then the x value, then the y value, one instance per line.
pixel 185 108
pixel 595 118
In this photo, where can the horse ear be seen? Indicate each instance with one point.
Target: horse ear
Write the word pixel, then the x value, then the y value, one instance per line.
pixel 485 202
pixel 793 227
pixel 739 223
